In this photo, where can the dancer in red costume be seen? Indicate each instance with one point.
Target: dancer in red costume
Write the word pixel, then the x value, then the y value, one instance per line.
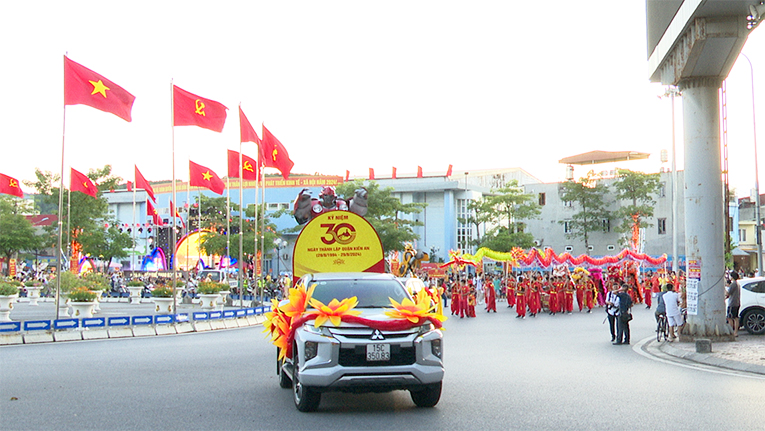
pixel 491 297
pixel 510 289
pixel 455 289
pixel 647 290
pixel 589 293
pixel 464 291
pixel 568 295
pixel 532 296
pixel 520 299
pixel 562 294
pixel 580 293
pixel 471 302
pixel 553 299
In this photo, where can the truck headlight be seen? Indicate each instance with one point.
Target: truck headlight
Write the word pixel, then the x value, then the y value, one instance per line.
pixel 424 329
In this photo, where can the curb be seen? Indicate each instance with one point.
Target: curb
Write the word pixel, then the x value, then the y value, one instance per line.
pixel 38 337
pixel 707 359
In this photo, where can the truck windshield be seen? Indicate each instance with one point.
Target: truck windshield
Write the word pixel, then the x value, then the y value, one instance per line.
pixel 370 293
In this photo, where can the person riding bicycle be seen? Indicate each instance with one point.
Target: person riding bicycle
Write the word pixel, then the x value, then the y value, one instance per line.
pixel 661 308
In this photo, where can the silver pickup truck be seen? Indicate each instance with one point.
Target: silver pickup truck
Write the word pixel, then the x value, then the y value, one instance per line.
pixel 356 358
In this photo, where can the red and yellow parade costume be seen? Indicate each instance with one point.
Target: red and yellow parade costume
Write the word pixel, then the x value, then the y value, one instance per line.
pixel 491 298
pixel 510 291
pixel 520 299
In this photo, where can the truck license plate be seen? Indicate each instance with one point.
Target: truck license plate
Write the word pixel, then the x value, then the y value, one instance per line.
pixel 378 352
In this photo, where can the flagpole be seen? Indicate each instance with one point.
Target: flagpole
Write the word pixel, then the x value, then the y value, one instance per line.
pixel 60 221
pixel 132 257
pixel 240 278
pixel 188 199
pixel 255 271
pixel 263 221
pixel 228 221
pixel 68 226
pixel 172 216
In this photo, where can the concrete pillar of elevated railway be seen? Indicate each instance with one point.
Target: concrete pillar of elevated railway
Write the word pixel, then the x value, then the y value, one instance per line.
pixel 704 212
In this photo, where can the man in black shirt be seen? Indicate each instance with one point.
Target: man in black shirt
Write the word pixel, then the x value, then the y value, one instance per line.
pixel 624 303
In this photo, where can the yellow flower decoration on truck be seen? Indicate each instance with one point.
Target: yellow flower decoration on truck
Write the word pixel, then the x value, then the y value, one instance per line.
pixel 334 311
pixel 421 308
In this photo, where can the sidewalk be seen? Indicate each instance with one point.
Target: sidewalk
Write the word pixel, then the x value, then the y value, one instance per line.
pixel 747 353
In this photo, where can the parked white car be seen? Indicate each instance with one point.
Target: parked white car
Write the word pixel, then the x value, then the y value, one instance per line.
pixel 752 312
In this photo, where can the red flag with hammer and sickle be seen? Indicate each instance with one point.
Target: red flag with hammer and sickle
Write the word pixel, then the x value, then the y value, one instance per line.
pixel 192 110
pixel 249 166
pixel 10 186
pixel 80 182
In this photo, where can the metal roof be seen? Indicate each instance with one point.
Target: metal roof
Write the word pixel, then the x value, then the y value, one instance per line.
pixel 595 157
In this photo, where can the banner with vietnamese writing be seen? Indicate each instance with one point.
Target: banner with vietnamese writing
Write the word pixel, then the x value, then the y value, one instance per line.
pixel 271 182
pixel 337 241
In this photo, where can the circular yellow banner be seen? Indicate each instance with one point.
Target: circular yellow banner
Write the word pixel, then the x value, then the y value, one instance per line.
pixel 337 241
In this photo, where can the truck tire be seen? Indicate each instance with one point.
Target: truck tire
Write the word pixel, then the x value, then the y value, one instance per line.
pixel 427 397
pixel 306 399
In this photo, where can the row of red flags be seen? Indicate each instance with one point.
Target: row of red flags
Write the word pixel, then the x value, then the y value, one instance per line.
pixel 83 86
pixel 393 173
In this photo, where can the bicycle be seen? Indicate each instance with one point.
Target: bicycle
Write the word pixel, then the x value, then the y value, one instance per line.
pixel 662 331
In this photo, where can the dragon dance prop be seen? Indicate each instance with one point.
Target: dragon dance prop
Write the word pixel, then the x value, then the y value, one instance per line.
pixel 283 320
pixel 547 258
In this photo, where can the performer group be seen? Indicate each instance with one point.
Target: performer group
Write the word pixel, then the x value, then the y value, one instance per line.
pixel 560 291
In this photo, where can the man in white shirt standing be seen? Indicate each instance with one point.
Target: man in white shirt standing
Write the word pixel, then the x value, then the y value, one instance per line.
pixel 674 315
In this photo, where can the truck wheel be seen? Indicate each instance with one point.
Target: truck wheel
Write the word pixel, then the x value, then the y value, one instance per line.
pixel 427 397
pixel 306 399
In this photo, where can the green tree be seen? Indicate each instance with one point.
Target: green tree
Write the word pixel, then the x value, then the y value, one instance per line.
pixel 480 212
pixel 16 232
pixel 507 207
pixel 107 244
pixel 84 215
pixel 587 195
pixel 385 214
pixel 637 188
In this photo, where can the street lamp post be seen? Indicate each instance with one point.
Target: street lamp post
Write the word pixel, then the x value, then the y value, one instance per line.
pixel 757 221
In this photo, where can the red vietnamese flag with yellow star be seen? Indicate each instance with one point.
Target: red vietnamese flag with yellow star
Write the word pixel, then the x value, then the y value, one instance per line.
pixel 80 182
pixel 192 110
pixel 249 166
pixel 82 86
pixel 10 186
pixel 141 183
pixel 201 176
pixel 275 155
pixel 151 211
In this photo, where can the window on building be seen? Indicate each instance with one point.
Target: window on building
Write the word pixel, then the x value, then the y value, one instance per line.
pixel 542 199
pixel 568 204
pixel 464 230
pixel 272 206
pixel 742 235
pixel 567 226
pixel 663 190
pixel 606 225
pixel 662 224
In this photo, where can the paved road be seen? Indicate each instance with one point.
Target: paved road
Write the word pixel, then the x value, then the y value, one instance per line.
pixel 549 372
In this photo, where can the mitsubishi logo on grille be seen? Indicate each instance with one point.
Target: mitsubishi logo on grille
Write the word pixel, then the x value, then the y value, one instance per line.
pixel 377 335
